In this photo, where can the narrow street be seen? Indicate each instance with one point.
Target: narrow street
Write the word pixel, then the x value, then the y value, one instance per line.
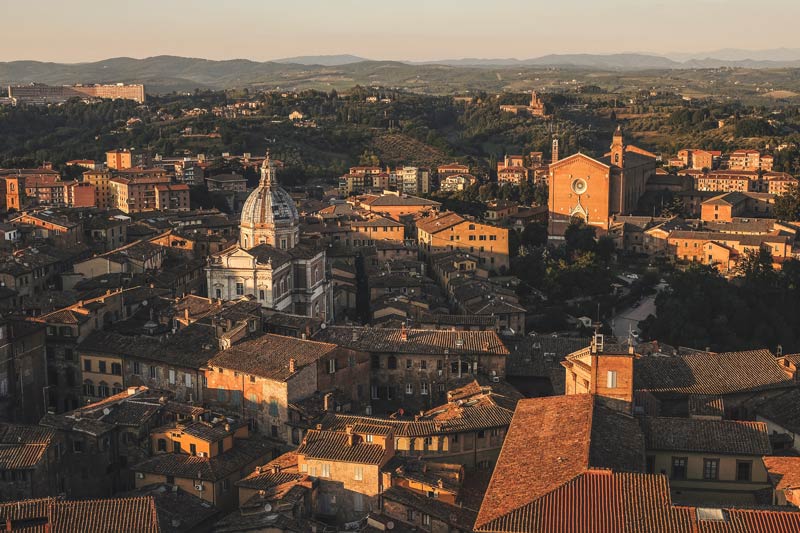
pixel 628 319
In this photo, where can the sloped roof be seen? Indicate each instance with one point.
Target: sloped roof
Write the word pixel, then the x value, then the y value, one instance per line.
pixel 439 223
pixel 419 341
pixel 333 446
pixel 183 465
pixel 120 515
pixel 268 355
pixel 709 373
pixel 565 445
pixel 784 471
pixel 731 437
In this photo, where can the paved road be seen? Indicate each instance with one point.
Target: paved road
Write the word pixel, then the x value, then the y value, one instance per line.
pixel 628 320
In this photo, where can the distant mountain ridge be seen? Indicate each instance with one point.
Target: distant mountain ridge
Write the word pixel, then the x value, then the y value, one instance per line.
pixel 168 73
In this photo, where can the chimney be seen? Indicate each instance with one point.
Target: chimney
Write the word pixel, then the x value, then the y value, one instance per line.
pixel 348 429
pixel 227 427
pixel 403 333
pixel 132 391
pixel 276 469
pixel 328 402
pixel 186 315
pixel 292 365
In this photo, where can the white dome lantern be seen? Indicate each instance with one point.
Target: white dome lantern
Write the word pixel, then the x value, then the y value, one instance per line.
pixel 269 215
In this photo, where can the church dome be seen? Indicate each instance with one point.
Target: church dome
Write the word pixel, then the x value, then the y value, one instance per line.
pixel 269 214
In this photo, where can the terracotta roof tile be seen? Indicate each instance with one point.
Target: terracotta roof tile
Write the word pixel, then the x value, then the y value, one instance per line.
pixel 710 373
pixel 120 515
pixel 714 436
pixel 268 355
pixel 419 341
pixel 333 446
pixel 784 471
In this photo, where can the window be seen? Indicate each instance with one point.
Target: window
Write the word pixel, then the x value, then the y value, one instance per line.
pixel 77 446
pixel 88 388
pixel 187 380
pixel 358 501
pixel 218 293
pixel 239 288
pixel 116 369
pixel 273 407
pixel 409 388
pixel 410 515
pixel 162 445
pixel 426 519
pixel 650 461
pixel 261 294
pixel 326 470
pixel 87 365
pixel 171 376
pixel 481 433
pixel 176 446
pixel 192 449
pixel 611 379
pixel 392 363
pixel 368 439
pixel 102 390
pixel 744 470
pixel 331 366
pixel 439 365
pixel 226 485
pixel 423 364
pixel 679 468
pixel 102 366
pixel 137 368
pixel 274 431
pixel 153 372
pixel 374 392
pixel 423 388
pixel 409 363
pixel 711 469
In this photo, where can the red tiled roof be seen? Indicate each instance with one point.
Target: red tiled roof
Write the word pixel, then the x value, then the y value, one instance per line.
pixel 709 373
pixel 784 471
pixel 120 515
pixel 553 464
pixel 268 355
pixel 333 446
pixel 714 436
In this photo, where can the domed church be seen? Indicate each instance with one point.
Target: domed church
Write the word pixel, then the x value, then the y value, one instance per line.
pixel 269 262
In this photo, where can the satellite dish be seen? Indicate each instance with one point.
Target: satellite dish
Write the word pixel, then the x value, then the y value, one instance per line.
pixel 267 507
pixel 106 411
pixel 323 325
pixel 389 525
pixel 144 302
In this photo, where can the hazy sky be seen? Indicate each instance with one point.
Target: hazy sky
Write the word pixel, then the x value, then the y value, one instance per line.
pixel 85 30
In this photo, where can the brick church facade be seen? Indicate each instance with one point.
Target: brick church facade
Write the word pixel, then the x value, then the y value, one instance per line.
pixel 594 190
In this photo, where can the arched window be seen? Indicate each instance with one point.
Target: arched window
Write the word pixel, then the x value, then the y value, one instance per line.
pixel 116 388
pixel 88 388
pixel 102 389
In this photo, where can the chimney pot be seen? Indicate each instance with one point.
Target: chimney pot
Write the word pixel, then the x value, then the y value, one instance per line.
pixel 292 365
